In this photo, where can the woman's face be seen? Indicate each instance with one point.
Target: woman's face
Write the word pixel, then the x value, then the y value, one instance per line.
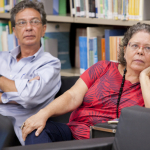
pixel 138 58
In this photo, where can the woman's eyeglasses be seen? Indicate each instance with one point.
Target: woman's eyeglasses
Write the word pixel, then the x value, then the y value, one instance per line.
pixel 134 46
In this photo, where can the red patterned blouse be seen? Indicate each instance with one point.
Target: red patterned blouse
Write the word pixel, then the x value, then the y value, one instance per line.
pixel 99 105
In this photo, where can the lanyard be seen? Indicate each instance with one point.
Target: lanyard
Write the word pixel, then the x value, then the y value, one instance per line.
pixel 120 91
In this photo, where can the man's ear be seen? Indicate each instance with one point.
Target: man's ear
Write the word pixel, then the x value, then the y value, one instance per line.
pixel 44 30
pixel 14 31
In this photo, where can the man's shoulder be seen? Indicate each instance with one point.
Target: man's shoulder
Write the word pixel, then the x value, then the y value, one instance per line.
pixel 47 57
pixel 4 54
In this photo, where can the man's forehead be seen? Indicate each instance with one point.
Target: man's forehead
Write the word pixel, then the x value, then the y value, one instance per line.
pixel 28 13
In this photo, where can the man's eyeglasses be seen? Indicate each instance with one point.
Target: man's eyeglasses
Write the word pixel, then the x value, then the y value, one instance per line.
pixel 134 46
pixel 33 22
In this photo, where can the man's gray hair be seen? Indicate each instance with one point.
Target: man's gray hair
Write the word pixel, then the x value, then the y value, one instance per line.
pixel 28 4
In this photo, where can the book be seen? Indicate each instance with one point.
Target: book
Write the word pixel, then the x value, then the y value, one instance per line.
pixel 55 7
pixel 91 52
pixel 2 9
pixel 51 46
pixel 144 10
pixel 62 7
pixel 82 8
pixel 102 10
pixel 95 50
pixel 111 32
pixel 83 53
pixel 72 8
pixel 48 6
pixel 99 49
pixel 103 48
pixel 60 31
pixel 79 32
pixel 77 6
pixel 93 32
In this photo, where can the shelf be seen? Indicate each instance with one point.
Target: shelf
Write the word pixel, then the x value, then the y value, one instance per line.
pixel 105 21
pixel 69 19
pixel 4 16
pixel 52 18
pixel 70 72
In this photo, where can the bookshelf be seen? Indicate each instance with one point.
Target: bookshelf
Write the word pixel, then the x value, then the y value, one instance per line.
pixel 82 21
pixel 96 21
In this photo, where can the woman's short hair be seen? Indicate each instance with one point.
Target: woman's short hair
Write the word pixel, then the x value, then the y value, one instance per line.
pixel 28 4
pixel 128 35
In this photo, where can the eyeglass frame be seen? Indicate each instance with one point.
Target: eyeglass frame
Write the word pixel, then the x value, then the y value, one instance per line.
pixel 143 47
pixel 39 22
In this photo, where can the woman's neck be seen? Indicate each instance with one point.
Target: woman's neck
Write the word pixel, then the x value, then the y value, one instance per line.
pixel 131 75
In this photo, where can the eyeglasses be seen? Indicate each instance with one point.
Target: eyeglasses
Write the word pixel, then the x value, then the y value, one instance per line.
pixel 134 46
pixel 33 22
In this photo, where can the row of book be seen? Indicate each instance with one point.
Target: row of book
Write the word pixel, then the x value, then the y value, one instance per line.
pixel 52 7
pixel 99 44
pixel 56 41
pixel 111 9
pixel 6 5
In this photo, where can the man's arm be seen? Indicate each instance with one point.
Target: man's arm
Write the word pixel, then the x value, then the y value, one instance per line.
pixel 31 94
pixel 7 85
pixel 67 102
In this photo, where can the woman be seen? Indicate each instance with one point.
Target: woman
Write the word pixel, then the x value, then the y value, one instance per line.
pixel 99 94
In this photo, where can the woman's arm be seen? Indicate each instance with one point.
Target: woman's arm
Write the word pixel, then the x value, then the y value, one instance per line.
pixel 67 102
pixel 145 86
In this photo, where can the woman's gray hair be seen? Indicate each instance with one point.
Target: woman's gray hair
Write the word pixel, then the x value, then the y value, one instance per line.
pixel 28 4
pixel 128 35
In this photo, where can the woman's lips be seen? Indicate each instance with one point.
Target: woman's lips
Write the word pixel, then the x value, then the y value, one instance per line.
pixel 139 61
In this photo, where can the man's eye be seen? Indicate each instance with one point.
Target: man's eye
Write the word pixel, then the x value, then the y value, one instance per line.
pixel 35 21
pixel 22 22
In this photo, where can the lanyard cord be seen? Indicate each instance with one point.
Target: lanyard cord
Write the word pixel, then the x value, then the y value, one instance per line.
pixel 120 91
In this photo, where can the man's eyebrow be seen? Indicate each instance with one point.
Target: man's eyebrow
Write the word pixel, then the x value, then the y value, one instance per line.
pixel 25 19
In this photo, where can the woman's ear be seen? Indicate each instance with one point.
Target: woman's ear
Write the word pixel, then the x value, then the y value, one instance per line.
pixel 125 52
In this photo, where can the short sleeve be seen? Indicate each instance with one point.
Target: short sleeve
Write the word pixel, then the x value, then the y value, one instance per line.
pixel 95 72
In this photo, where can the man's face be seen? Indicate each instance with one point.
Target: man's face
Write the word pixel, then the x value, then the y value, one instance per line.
pixel 29 34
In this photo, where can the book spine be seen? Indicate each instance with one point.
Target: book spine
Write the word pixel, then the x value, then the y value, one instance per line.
pixel 2 6
pixel 95 50
pixel 77 5
pixel 109 9
pixel 82 9
pixel 141 10
pixel 96 8
pixel 83 53
pixel 101 9
pixel 103 48
pixel 55 7
pixel 62 7
pixel 106 9
pixel 91 53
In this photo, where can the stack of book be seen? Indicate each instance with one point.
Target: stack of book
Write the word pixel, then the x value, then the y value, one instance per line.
pixel 99 44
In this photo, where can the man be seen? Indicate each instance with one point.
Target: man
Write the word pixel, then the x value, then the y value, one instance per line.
pixel 29 77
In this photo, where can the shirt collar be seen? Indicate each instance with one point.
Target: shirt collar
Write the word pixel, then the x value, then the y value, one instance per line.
pixel 17 50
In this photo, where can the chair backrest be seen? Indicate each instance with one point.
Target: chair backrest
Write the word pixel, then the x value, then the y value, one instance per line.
pixel 67 83
pixel 133 130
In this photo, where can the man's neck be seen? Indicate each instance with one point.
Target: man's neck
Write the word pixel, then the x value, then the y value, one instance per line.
pixel 26 51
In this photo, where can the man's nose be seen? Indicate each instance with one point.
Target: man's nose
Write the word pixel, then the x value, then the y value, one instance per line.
pixel 28 25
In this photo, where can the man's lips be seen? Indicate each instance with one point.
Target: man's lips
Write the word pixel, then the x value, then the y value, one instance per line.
pixel 28 36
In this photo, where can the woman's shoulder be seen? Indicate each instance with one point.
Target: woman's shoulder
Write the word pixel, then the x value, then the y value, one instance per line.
pixel 107 64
